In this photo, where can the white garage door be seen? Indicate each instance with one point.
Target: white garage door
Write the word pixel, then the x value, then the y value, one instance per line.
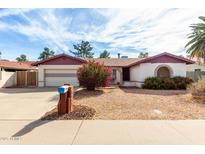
pixel 54 77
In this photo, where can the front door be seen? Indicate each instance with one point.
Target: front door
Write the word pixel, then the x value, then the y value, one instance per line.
pixel 126 74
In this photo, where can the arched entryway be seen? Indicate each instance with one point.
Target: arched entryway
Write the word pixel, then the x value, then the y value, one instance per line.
pixel 163 71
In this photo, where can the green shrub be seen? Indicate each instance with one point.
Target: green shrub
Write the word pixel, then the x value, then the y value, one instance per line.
pixel 92 75
pixel 182 82
pixel 166 83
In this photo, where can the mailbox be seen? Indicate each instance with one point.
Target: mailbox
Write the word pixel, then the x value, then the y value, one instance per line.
pixel 65 99
pixel 63 89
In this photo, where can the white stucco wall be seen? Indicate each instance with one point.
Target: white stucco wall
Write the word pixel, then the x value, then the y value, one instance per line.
pixel 7 79
pixel 140 72
pixel 192 67
pixel 42 68
pixel 118 75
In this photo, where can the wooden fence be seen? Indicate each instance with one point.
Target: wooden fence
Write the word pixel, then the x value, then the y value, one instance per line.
pixel 25 78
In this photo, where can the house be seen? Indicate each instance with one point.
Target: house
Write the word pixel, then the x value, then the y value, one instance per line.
pixel 196 71
pixel 62 68
pixel 8 71
pixel 196 67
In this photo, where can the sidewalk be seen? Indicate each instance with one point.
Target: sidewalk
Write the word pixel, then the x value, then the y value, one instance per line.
pixel 102 132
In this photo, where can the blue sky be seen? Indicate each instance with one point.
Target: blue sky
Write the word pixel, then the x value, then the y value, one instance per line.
pixel 127 31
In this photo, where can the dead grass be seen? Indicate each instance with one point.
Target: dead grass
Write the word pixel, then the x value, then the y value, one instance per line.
pixel 130 104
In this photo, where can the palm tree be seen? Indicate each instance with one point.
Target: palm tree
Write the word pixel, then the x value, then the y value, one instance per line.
pixel 196 45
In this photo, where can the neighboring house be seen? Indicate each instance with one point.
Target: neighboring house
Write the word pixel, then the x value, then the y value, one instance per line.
pixel 196 67
pixel 8 71
pixel 62 69
pixel 196 71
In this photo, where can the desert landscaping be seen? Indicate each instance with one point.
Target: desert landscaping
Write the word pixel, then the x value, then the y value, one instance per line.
pixel 116 103
pixel 141 104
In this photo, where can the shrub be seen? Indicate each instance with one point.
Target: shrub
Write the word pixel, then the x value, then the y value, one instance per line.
pixel 166 83
pixel 182 82
pixel 152 83
pixel 198 88
pixel 92 75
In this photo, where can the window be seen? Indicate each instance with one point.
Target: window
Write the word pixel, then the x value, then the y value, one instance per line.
pixel 163 72
pixel 197 70
pixel 114 74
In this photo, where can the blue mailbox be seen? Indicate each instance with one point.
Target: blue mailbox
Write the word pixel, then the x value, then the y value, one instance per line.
pixel 63 89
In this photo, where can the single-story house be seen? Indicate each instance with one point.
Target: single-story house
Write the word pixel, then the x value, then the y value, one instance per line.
pixel 8 71
pixel 196 71
pixel 62 68
pixel 196 67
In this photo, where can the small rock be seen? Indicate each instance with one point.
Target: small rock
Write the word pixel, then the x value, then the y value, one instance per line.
pixel 157 111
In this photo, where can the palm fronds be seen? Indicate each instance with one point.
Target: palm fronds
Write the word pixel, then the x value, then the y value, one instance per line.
pixel 196 45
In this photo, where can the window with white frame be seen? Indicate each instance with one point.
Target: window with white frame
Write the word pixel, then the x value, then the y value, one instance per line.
pixel 114 74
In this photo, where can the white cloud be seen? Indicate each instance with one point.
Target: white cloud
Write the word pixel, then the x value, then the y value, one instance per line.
pixel 52 29
pixel 9 12
pixel 48 27
pixel 157 30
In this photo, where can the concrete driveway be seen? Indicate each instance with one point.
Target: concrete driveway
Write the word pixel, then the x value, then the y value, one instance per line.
pixel 26 103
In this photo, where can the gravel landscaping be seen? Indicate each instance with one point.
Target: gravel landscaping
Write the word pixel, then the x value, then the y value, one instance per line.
pixel 129 104
pixel 80 112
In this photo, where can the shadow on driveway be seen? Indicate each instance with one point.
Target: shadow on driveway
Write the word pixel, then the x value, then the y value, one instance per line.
pixel 28 128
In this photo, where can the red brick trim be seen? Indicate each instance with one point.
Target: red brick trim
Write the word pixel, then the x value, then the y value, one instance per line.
pixel 165 58
pixel 49 60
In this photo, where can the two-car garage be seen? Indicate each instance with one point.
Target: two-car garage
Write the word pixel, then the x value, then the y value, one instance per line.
pixel 55 77
pixel 58 70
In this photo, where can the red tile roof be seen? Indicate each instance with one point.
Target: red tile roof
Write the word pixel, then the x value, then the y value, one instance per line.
pixel 16 65
pixel 164 58
pixel 57 60
pixel 120 62
pixel 116 62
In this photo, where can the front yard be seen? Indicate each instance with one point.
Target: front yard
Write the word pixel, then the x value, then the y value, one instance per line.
pixel 130 104
pixel 108 103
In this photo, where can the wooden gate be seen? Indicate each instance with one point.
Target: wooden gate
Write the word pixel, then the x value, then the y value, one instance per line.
pixel 25 78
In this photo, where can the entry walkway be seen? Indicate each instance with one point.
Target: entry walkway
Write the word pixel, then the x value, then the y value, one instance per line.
pixel 102 132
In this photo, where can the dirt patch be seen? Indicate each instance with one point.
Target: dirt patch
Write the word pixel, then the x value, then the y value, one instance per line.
pixel 141 104
pixel 81 112
pixel 81 94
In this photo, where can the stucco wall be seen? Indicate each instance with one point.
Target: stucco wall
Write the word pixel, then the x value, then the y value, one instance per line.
pixel 118 75
pixel 140 72
pixel 42 68
pixel 192 67
pixel 7 79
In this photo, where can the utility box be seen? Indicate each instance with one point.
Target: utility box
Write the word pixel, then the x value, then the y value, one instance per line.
pixel 65 104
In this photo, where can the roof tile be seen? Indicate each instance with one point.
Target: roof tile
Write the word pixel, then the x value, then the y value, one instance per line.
pixel 16 65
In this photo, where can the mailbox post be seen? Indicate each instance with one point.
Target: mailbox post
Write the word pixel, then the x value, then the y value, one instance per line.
pixel 65 99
